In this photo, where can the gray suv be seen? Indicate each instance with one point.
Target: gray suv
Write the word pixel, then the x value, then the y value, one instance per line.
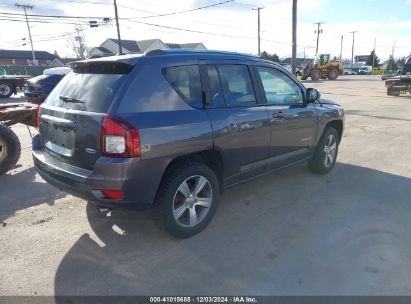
pixel 171 129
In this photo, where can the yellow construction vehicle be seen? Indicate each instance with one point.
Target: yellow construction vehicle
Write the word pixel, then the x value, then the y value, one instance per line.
pixel 323 68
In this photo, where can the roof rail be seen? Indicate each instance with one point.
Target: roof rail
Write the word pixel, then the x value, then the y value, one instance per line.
pixel 192 51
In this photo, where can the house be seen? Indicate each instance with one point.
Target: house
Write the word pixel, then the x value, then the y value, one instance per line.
pixel 110 46
pixel 19 57
pixel 127 46
pixel 100 51
pixel 151 44
pixel 195 46
pixel 62 62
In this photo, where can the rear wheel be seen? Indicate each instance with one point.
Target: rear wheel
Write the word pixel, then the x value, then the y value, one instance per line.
pixel 187 199
pixel 325 154
pixel 315 74
pixel 391 92
pixel 333 74
pixel 9 149
pixel 5 90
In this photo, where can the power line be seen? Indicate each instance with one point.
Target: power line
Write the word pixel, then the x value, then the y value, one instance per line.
pixel 185 11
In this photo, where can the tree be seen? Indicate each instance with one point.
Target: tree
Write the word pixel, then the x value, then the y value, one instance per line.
pixel 392 66
pixel 370 60
pixel 268 56
pixel 56 54
pixel 77 42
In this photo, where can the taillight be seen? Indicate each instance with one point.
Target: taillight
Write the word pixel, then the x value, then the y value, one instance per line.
pixel 38 117
pixel 118 138
pixel 112 194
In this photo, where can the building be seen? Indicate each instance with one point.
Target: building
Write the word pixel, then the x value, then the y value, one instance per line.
pixel 195 46
pixel 18 57
pixel 62 62
pixel 110 46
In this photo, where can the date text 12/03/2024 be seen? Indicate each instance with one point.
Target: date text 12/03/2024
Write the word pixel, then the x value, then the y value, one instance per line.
pixel 207 299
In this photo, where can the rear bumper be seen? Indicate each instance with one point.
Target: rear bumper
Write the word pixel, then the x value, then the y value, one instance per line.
pixel 85 184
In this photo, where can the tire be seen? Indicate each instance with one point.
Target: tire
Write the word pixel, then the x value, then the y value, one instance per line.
pixel 321 161
pixel 315 74
pixel 390 92
pixel 5 90
pixel 333 74
pixel 9 149
pixel 174 211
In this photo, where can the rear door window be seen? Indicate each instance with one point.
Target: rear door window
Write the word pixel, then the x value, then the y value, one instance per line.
pixel 91 86
pixel 236 84
pixel 185 80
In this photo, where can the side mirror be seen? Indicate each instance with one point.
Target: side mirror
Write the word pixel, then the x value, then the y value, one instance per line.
pixel 312 95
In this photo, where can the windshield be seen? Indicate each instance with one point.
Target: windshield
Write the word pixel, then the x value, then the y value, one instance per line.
pixel 93 85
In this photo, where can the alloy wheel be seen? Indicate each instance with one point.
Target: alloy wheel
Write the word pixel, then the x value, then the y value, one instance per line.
pixel 192 201
pixel 330 150
pixel 3 149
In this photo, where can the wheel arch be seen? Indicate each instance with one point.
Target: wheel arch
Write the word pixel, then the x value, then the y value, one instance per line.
pixel 212 158
pixel 337 125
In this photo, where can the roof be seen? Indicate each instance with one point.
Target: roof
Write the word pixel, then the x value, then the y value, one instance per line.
pixel 129 45
pixel 408 60
pixel 145 44
pixel 19 54
pixel 193 45
pixel 102 49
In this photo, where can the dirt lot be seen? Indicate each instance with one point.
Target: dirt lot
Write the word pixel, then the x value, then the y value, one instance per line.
pixel 290 233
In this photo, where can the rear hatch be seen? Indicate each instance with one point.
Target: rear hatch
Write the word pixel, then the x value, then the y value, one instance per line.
pixel 70 118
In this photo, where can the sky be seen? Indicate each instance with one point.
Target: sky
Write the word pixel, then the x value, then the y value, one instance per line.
pixel 229 26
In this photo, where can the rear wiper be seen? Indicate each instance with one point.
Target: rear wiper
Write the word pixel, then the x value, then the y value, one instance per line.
pixel 71 99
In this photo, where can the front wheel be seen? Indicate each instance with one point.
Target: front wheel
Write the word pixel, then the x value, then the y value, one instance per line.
pixel 315 74
pixel 187 199
pixel 325 154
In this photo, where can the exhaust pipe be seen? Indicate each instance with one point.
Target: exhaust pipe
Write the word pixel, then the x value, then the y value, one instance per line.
pixel 104 211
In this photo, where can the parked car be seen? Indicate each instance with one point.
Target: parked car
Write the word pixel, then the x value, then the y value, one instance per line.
pixel 350 71
pixel 170 130
pixel 288 68
pixel 365 70
pixel 37 89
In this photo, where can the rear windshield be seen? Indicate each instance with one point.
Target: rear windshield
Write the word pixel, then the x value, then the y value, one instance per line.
pixel 91 86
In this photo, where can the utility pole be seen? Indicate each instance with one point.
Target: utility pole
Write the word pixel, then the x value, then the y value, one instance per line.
pixel 318 32
pixel 373 54
pixel 352 51
pixel 342 39
pixel 120 49
pixel 294 44
pixel 258 9
pixel 393 50
pixel 25 7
